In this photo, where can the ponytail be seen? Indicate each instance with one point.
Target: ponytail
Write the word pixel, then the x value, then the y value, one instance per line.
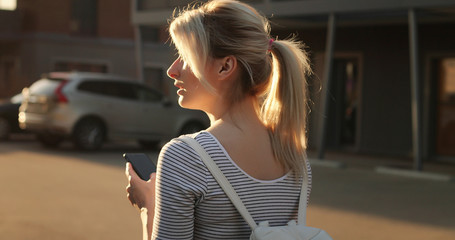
pixel 285 107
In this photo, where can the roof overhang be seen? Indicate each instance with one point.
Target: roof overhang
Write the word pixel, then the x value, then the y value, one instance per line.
pixel 307 9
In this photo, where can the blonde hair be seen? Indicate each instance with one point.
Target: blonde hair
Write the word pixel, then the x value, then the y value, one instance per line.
pixel 273 71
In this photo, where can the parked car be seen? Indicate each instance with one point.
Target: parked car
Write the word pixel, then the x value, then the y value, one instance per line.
pixel 9 108
pixel 90 108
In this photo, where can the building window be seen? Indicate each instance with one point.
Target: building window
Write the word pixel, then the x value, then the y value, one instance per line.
pixel 150 34
pixel 9 5
pixel 84 17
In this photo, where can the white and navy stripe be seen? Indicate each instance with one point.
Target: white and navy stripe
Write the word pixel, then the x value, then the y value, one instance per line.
pixel 191 205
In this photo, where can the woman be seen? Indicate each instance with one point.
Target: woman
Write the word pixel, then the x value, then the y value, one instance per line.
pixel 253 89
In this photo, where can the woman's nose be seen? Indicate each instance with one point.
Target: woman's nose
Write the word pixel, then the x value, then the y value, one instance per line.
pixel 173 71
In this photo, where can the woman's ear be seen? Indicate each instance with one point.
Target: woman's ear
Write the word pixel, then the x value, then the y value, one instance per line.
pixel 227 66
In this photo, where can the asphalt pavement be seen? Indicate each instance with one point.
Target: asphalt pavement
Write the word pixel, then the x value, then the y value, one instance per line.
pixel 66 194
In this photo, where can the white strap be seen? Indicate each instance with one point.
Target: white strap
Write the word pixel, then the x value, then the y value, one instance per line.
pixel 221 179
pixel 301 217
pixel 229 190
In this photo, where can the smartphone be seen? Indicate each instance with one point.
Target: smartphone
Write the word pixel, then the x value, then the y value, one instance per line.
pixel 141 163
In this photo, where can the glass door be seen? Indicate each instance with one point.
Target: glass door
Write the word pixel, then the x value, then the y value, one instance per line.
pixel 445 122
pixel 343 110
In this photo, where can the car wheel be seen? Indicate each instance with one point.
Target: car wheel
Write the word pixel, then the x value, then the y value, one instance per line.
pixel 191 127
pixel 49 140
pixel 4 129
pixel 89 134
pixel 150 144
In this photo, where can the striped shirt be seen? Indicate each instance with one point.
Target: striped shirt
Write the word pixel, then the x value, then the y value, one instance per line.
pixel 191 205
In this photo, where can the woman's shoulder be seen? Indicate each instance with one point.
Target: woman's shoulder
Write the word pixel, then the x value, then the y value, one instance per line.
pixel 180 153
pixel 179 144
pixel 181 170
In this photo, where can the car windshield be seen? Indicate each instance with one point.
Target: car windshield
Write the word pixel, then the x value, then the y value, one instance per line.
pixel 45 86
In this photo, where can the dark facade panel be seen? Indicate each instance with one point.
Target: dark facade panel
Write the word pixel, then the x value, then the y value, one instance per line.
pixel 385 109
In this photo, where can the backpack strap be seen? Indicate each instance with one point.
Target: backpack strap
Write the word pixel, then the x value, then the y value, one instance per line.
pixel 229 190
pixel 301 217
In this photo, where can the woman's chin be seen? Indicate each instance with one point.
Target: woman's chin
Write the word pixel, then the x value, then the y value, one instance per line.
pixel 181 102
pixel 184 102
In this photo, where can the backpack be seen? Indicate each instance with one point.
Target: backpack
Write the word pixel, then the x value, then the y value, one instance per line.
pixel 293 231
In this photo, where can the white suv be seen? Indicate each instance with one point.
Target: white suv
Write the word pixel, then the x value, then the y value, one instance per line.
pixel 90 108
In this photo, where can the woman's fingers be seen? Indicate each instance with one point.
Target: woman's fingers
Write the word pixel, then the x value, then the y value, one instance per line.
pixel 138 190
pixel 129 171
pixel 152 177
pixel 131 176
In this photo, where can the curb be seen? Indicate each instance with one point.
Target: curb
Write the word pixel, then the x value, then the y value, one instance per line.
pixel 414 174
pixel 327 163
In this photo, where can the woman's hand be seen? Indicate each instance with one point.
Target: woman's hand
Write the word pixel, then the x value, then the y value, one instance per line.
pixel 140 193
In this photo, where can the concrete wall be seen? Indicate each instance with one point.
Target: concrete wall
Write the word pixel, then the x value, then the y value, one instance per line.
pixel 117 55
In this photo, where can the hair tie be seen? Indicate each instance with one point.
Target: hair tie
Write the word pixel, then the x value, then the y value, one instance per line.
pixel 270 45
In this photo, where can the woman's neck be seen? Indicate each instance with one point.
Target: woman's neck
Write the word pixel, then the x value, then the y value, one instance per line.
pixel 247 141
pixel 242 115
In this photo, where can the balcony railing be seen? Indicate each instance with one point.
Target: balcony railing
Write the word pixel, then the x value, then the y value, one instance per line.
pixel 156 12
pixel 344 5
pixel 166 4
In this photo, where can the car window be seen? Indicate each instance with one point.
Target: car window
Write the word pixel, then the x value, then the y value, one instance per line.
pixel 17 98
pixel 122 90
pixel 109 88
pixel 45 86
pixel 147 95
pixel 97 87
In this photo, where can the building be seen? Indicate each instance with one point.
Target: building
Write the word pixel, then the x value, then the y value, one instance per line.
pixel 46 35
pixel 384 80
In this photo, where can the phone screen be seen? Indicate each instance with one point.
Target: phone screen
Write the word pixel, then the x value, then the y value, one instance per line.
pixel 141 163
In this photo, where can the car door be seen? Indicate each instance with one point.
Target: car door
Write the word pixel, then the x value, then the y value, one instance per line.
pixel 153 113
pixel 114 101
pixel 124 112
